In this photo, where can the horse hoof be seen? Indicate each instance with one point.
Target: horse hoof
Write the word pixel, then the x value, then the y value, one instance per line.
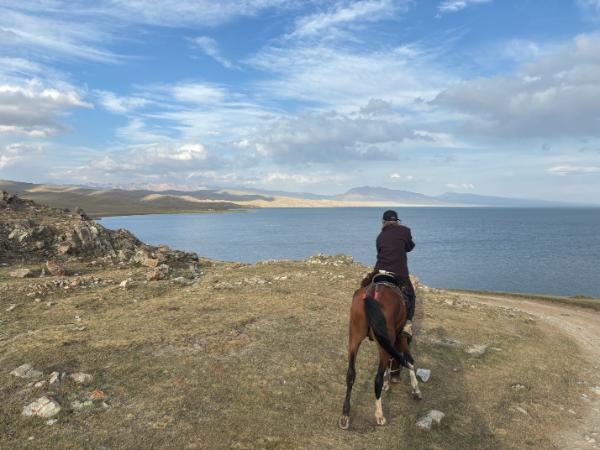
pixel 380 420
pixel 417 396
pixel 344 422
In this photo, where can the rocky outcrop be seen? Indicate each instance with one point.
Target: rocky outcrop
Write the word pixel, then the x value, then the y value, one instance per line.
pixel 35 233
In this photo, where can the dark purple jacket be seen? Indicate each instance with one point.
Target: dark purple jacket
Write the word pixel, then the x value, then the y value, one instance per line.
pixel 393 243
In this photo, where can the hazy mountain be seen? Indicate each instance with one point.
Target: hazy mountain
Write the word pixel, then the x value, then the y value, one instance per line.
pixel 380 194
pixel 486 200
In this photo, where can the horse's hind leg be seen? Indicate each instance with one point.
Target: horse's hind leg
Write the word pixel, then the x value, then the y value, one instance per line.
pixel 416 392
pixel 395 366
pixel 350 376
pixel 379 417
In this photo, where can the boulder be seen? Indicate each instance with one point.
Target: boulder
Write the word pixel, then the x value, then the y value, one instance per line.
pixel 81 378
pixel 26 371
pixel 45 407
pixel 433 417
pixel 55 268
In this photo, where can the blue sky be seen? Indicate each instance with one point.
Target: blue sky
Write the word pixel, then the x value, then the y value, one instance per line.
pixel 483 96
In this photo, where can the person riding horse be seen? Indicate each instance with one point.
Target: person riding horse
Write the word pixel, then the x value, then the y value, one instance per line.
pixel 393 243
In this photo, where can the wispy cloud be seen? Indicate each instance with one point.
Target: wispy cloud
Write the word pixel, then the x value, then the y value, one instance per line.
pixel 456 5
pixel 343 15
pixel 209 46
pixel 568 169
pixel 461 186
pixel 11 153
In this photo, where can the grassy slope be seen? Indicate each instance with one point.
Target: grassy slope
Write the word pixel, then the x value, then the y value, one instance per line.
pixel 103 203
pixel 229 363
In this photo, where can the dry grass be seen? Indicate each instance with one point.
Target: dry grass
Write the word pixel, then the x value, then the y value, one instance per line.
pixel 248 365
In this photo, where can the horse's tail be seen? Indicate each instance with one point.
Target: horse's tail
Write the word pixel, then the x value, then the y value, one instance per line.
pixel 377 322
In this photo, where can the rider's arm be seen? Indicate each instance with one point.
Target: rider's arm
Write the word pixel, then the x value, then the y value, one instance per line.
pixel 410 243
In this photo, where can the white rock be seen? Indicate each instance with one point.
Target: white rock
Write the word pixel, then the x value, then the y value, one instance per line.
pixel 54 376
pixel 11 307
pixel 125 283
pixel 43 407
pixel 424 374
pixel 51 421
pixel 40 383
pixel 432 417
pixel 521 410
pixel 81 378
pixel 26 371
pixel 477 350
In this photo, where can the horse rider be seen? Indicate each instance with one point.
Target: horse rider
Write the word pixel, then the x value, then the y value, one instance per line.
pixel 393 243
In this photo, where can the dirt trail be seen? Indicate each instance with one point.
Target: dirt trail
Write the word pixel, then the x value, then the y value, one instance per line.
pixel 581 324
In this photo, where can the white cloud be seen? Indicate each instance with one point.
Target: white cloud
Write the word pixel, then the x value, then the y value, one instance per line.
pixel 120 104
pixel 457 5
pixel 399 177
pixel 321 137
pixel 33 109
pixel 461 186
pixel 556 95
pixel 200 93
pixel 12 153
pixel 209 46
pixel 567 169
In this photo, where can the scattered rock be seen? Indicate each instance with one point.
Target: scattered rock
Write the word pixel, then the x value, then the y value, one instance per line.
pixel 40 384
pixel 518 387
pixel 125 284
pixel 22 273
pixel 424 374
pixel 51 421
pixel 428 420
pixel 476 350
pixel 81 378
pixel 26 371
pixel 11 307
pixel 45 407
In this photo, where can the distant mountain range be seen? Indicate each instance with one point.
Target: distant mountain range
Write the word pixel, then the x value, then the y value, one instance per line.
pixel 108 201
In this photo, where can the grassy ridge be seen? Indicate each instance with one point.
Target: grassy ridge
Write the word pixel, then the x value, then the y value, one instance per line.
pixel 117 202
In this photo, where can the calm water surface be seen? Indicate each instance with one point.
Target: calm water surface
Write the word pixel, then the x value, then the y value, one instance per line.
pixel 538 250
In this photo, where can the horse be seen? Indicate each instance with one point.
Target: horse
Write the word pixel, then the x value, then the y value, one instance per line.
pixel 379 311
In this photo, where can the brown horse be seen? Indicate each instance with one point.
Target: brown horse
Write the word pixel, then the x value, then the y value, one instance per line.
pixel 379 310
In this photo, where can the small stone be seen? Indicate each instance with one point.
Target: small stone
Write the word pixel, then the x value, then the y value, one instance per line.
pixel 424 374
pixel 51 421
pixel 517 387
pixel 54 378
pixel 81 378
pixel 521 410
pixel 26 371
pixel 44 407
pixel 11 307
pixel 21 273
pixel 151 262
pixel 476 350
pixel 432 417
pixel 40 383
pixel 125 283
pixel 96 394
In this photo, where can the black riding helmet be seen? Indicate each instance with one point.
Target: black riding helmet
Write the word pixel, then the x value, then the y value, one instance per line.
pixel 390 216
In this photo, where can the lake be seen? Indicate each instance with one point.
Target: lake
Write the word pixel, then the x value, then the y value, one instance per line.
pixel 530 250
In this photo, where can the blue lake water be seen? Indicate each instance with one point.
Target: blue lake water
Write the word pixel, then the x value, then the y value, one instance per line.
pixel 537 250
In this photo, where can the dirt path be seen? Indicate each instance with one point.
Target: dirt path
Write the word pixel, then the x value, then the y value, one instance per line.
pixel 583 325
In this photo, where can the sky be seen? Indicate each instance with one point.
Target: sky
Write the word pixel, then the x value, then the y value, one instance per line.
pixel 493 97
